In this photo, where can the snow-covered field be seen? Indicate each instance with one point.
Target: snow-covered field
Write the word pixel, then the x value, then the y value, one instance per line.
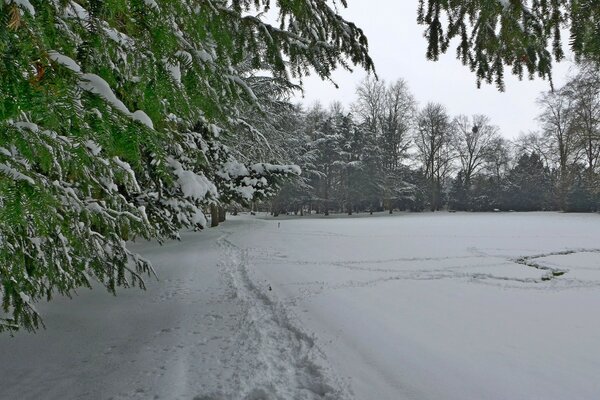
pixel 410 306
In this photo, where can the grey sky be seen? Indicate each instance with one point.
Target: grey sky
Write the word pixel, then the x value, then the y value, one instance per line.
pixel 398 48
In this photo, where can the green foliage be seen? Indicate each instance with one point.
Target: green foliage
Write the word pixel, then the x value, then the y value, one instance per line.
pixel 523 35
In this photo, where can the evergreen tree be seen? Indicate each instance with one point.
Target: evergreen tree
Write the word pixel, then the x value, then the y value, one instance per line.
pixel 528 185
pixel 580 197
pixel 113 116
pixel 526 36
pixel 458 197
pixel 328 152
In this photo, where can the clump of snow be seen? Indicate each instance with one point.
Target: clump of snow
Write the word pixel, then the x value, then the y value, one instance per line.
pixel 143 118
pixel 185 55
pixel 95 84
pixel 174 70
pixel 505 4
pixel 151 4
pixel 65 61
pixel 26 125
pixel 93 147
pixel 24 4
pixel 74 10
pixel 246 192
pixel 215 130
pixel 198 218
pixel 233 169
pixel 263 168
pixel 16 175
pixel 118 37
pixel 243 85
pixel 192 185
pixel 125 166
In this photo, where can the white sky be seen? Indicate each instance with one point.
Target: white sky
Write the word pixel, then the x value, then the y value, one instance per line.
pixel 398 47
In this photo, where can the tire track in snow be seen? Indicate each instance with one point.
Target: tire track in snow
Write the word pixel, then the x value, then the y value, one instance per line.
pixel 273 360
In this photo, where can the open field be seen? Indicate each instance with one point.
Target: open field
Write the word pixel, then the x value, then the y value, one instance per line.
pixel 410 306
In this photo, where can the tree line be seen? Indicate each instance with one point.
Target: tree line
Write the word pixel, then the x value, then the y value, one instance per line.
pixel 387 153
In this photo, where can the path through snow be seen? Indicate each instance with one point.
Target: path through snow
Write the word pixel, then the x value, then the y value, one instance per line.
pixel 204 331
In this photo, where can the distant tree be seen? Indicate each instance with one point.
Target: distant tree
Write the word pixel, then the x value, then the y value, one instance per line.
pixel 474 140
pixel 292 145
pixel 557 119
pixel 583 90
pixel 528 185
pixel 328 153
pixel 432 142
pixel 581 197
pixel 370 103
pixel 388 112
pixel 497 159
pixel 486 193
pixel 458 198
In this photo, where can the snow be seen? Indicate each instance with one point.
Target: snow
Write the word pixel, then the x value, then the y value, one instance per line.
pixel 410 306
pixel 192 185
pixel 143 118
pixel 505 3
pixel 263 168
pixel 76 11
pixel 243 85
pixel 65 61
pixel 95 84
pixel 233 169
pixel 118 37
pixel 24 4
pixel 93 147
pixel 127 168
pixel 16 175
pixel 151 4
pixel 174 70
pixel 26 125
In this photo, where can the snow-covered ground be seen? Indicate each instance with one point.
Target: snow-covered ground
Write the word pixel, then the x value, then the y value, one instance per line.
pixel 410 306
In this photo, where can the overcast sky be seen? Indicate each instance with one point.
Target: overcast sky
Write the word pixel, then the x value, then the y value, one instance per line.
pixel 398 47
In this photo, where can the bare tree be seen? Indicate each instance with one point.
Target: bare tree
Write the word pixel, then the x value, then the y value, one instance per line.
pixel 584 91
pixel 473 139
pixel 398 114
pixel 533 142
pixel 557 120
pixel 498 158
pixel 432 141
pixel 369 103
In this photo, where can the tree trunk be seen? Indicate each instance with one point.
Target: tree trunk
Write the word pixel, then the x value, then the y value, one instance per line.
pixel 222 214
pixel 433 195
pixel 214 215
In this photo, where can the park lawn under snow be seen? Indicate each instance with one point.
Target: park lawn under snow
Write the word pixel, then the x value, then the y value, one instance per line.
pixel 410 306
